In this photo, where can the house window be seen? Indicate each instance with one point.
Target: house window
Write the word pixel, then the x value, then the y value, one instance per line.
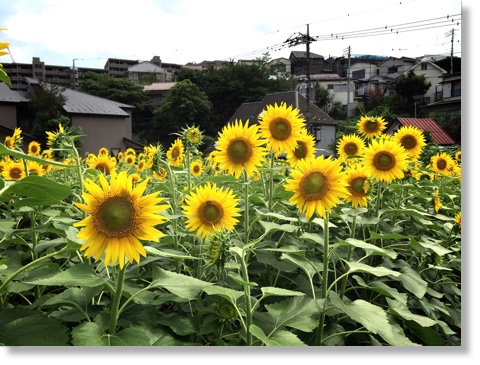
pixel 393 69
pixel 456 88
pixel 330 86
pixel 340 87
pixel 424 66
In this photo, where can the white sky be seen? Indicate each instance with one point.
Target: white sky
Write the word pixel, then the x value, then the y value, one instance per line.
pixel 183 31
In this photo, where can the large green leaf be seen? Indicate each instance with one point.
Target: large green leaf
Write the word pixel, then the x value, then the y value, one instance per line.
pixel 278 338
pixel 373 318
pixel 74 297
pixel 89 334
pixel 22 155
pixel 78 275
pixel 33 329
pixel 229 294
pixel 377 270
pixel 368 247
pixel 36 190
pixel 296 312
pixel 182 285
pixel 131 336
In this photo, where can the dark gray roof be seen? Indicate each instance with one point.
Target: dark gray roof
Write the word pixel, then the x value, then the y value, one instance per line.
pixel 82 103
pixel 9 95
pixel 78 102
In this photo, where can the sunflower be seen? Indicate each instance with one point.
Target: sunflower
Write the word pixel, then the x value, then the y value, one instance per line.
pixel 442 163
pixel 103 151
pixel 318 185
pixel 458 156
pixel 34 168
pixel 34 148
pixel 412 139
pixel 208 209
pixel 371 127
pixel 130 159
pixel 458 219
pixel 385 159
pixel 239 147
pixel 103 163
pixel 13 171
pixel 350 147
pixel 305 149
pixel 280 126
pixel 437 204
pixel 192 136
pixel 136 178
pixel 196 167
pixel 175 153
pixel 358 186
pixel 161 174
pixel 118 218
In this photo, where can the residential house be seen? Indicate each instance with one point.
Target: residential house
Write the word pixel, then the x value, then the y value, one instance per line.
pixel 427 125
pixel 279 67
pixel 394 67
pixel 104 123
pixel 298 63
pixel 136 72
pixel 158 91
pixel 322 126
pixel 448 100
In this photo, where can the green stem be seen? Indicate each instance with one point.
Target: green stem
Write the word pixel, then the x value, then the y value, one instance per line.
pixel 349 254
pixel 116 301
pixel 270 189
pixel 326 238
pixel 248 302
pixel 247 208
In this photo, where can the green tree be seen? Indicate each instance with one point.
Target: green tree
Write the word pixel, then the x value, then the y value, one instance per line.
pixel 411 87
pixel 230 86
pixel 323 99
pixel 185 105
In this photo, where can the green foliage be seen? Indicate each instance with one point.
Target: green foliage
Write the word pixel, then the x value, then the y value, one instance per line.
pixel 187 104
pixel 323 99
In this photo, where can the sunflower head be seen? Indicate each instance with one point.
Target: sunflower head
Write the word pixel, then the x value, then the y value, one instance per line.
pixel 371 127
pixel 350 147
pixel 412 139
pixel 281 127
pixel 239 148
pixel 34 148
pixel 318 185
pixel 103 163
pixel 442 163
pixel 208 209
pixel 175 153
pixel 304 149
pixel 196 167
pixel 192 136
pixel 13 171
pixel 119 216
pixel 358 186
pixel 458 219
pixel 437 204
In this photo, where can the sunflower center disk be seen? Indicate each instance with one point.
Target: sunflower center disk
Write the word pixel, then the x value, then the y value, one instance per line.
pixel 103 167
pixel 441 164
pixel 15 173
pixel 280 129
pixel 384 161
pixel 357 186
pixel 239 151
pixel 313 186
pixel 409 142
pixel 351 149
pixel 301 150
pixel 175 152
pixel 371 126
pixel 116 217
pixel 211 212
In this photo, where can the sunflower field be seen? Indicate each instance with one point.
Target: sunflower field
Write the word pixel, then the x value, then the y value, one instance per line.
pixel 264 242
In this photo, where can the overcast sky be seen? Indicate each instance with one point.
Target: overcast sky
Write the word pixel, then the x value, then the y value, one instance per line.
pixel 91 31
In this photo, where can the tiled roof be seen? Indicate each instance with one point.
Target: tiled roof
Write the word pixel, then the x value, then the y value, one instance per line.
pixel 78 102
pixel 439 136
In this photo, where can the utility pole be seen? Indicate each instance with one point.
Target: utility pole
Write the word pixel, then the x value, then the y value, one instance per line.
pixel 74 74
pixel 304 39
pixel 348 81
pixel 452 33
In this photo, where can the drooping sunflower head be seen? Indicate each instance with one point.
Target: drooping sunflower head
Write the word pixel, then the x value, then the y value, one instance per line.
pixel 280 126
pixel 442 163
pixel 119 216
pixel 458 156
pixel 161 174
pixel 196 167
pixel 412 139
pixel 350 147
pixel 358 186
pixel 371 127
pixel 208 209
pixel 239 147
pixel 458 219
pixel 34 148
pixel 304 149
pixel 175 153
pixel 318 185
pixel 385 160
pixel 437 204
